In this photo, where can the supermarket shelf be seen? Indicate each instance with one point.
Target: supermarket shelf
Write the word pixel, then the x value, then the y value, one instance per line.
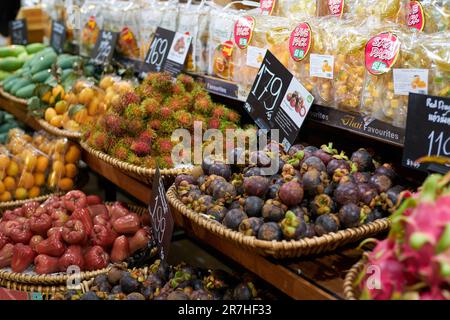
pixel 319 277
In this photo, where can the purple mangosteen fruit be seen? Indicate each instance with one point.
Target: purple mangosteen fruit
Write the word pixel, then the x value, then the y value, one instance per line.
pixel 220 169
pixel 313 162
pixel 381 182
pixel 362 159
pixel 253 206
pixel 373 215
pixel 256 186
pixel 291 193
pixel 361 177
pixel 272 193
pixel 346 193
pixel 314 182
pixel 367 193
pixel 260 159
pixel 394 193
pixel 349 215
pixel 270 231
pixel 322 204
pixel 273 210
pixel 217 212
pixel 294 149
pixel 387 170
pixel 233 218
pixel 224 192
pixel 251 226
pixel 293 226
pixel 184 177
pixel 326 223
pixel 310 230
pixel 335 164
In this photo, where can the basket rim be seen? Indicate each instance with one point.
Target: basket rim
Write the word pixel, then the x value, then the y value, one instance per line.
pixel 15 203
pixel 350 277
pixel 61 277
pixel 11 97
pixel 128 167
pixel 275 246
pixel 58 132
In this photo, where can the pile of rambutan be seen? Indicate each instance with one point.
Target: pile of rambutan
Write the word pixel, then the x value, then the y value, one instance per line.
pixel 138 128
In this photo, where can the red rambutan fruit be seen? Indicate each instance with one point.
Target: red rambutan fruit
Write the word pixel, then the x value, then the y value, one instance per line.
pixel 213 123
pixel 140 148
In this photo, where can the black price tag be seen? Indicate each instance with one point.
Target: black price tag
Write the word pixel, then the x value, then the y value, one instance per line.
pixel 167 52
pixel 58 36
pixel 104 47
pixel 427 131
pixel 161 217
pixel 18 32
pixel 277 100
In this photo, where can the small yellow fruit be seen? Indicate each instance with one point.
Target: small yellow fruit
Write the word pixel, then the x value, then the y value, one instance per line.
pixel 5 196
pixel 39 179
pixel 56 121
pixel 26 180
pixel 30 162
pixel 61 107
pixel 46 97
pixel 52 101
pixel 86 96
pixel 65 184
pixel 58 167
pixel 58 90
pixel 106 82
pixel 42 164
pixel 49 114
pixel 71 125
pixel 21 194
pixel 4 161
pixel 2 187
pixel 71 170
pixel 73 154
pixel 13 169
pixel 34 192
pixel 52 180
pixel 93 106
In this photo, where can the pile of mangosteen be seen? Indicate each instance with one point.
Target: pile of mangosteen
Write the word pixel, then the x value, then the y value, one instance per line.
pixel 311 192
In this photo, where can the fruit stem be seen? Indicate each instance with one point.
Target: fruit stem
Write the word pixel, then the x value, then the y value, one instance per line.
pixel 444 241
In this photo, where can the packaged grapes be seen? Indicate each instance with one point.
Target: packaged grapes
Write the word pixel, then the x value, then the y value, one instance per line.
pixel 253 35
pixel 193 19
pixel 428 15
pixel 311 59
pixel 395 65
pixel 91 19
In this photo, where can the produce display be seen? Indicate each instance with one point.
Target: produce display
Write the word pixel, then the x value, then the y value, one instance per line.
pixel 315 191
pixel 138 126
pixel 165 282
pixel 74 229
pixel 413 261
pixel 7 122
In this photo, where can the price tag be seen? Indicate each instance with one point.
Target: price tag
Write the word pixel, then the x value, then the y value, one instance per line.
pixel 161 218
pixel 167 52
pixel 427 131
pixel 58 36
pixel 278 101
pixel 104 47
pixel 18 32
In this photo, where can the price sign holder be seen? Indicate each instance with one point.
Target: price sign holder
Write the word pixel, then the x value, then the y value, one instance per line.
pixel 18 31
pixel 167 52
pixel 427 131
pixel 58 36
pixel 104 47
pixel 160 216
pixel 277 100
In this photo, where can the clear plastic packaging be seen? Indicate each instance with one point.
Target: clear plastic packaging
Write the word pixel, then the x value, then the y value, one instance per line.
pixel 91 20
pixel 436 15
pixel 295 9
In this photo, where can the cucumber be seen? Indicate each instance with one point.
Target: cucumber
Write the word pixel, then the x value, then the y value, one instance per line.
pixel 10 64
pixel 67 62
pixel 43 62
pixel 4 75
pixel 35 47
pixel 19 85
pixel 41 76
pixel 26 92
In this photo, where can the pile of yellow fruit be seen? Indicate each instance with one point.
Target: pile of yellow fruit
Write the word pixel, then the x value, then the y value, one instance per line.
pixel 84 102
pixel 32 166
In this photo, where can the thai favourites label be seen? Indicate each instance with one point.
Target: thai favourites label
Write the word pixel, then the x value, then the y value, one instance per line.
pixel 300 41
pixel 382 52
pixel 243 31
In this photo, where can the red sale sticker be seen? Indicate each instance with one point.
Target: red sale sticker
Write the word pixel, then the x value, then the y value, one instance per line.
pixel 382 52
pixel 243 31
pixel 266 7
pixel 336 7
pixel 416 18
pixel 227 48
pixel 300 41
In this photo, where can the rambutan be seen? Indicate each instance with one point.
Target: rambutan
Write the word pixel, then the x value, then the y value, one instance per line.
pixel 155 124
pixel 114 124
pixel 134 159
pixel 135 111
pixel 219 111
pixel 187 82
pixel 177 103
pixel 183 118
pixel 213 123
pixel 151 106
pixel 149 162
pixel 162 82
pixel 228 125
pixel 167 127
pixel 178 89
pixel 129 97
pixel 163 145
pixel 203 105
pixel 233 116
pixel 100 140
pixel 120 151
pixel 135 126
pixel 140 148
pixel 165 161
pixel 147 136
pixel 165 112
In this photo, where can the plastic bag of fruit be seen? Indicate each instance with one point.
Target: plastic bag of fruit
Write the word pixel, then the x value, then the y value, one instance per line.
pixel 294 9
pixel 390 55
pixel 91 19
pixel 428 15
pixel 261 33
pixel 193 19
pixel 311 61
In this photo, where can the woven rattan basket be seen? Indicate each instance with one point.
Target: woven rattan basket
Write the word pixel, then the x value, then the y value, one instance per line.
pixel 32 280
pixel 18 203
pixel 12 98
pixel 46 291
pixel 59 132
pixel 351 291
pixel 279 249
pixel 141 173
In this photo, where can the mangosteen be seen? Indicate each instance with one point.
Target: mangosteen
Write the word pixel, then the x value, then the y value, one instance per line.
pixel 362 159
pixel 313 162
pixel 314 182
pixel 236 204
pixel 200 294
pixel 260 159
pixel 323 155
pixel 329 189
pixel 360 177
pixel 244 291
pixel 367 193
pixel 294 149
pixel 224 192
pixel 256 186
pixel 373 215
pixel 349 215
pixel 322 204
pixel 381 182
pixel 253 206
pixel 394 193
pixel 273 210
pixel 236 157
pixel 252 171
pixel 233 218
pixel 291 193
pixel 192 195
pixel 135 296
pixel 90 295
pixel 211 182
pixel 104 287
pixel 217 212
pixel 203 203
pixel 310 230
pixel 177 295
pixel 276 179
pixel 326 223
pixel 116 289
pixel 220 169
pixel 206 163
pixel 335 164
pixel 100 279
pixel 148 292
pixel 184 177
pixel 272 193
pixel 311 149
pixel 386 170
pixel 346 193
pixel 270 231
pixel 301 211
pixel 293 226
pixel 250 226
pixel 128 284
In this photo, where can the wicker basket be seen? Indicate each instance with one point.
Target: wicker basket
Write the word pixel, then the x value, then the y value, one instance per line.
pixel 32 280
pixel 46 291
pixel 18 203
pixel 141 173
pixel 59 132
pixel 13 98
pixel 351 292
pixel 284 248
